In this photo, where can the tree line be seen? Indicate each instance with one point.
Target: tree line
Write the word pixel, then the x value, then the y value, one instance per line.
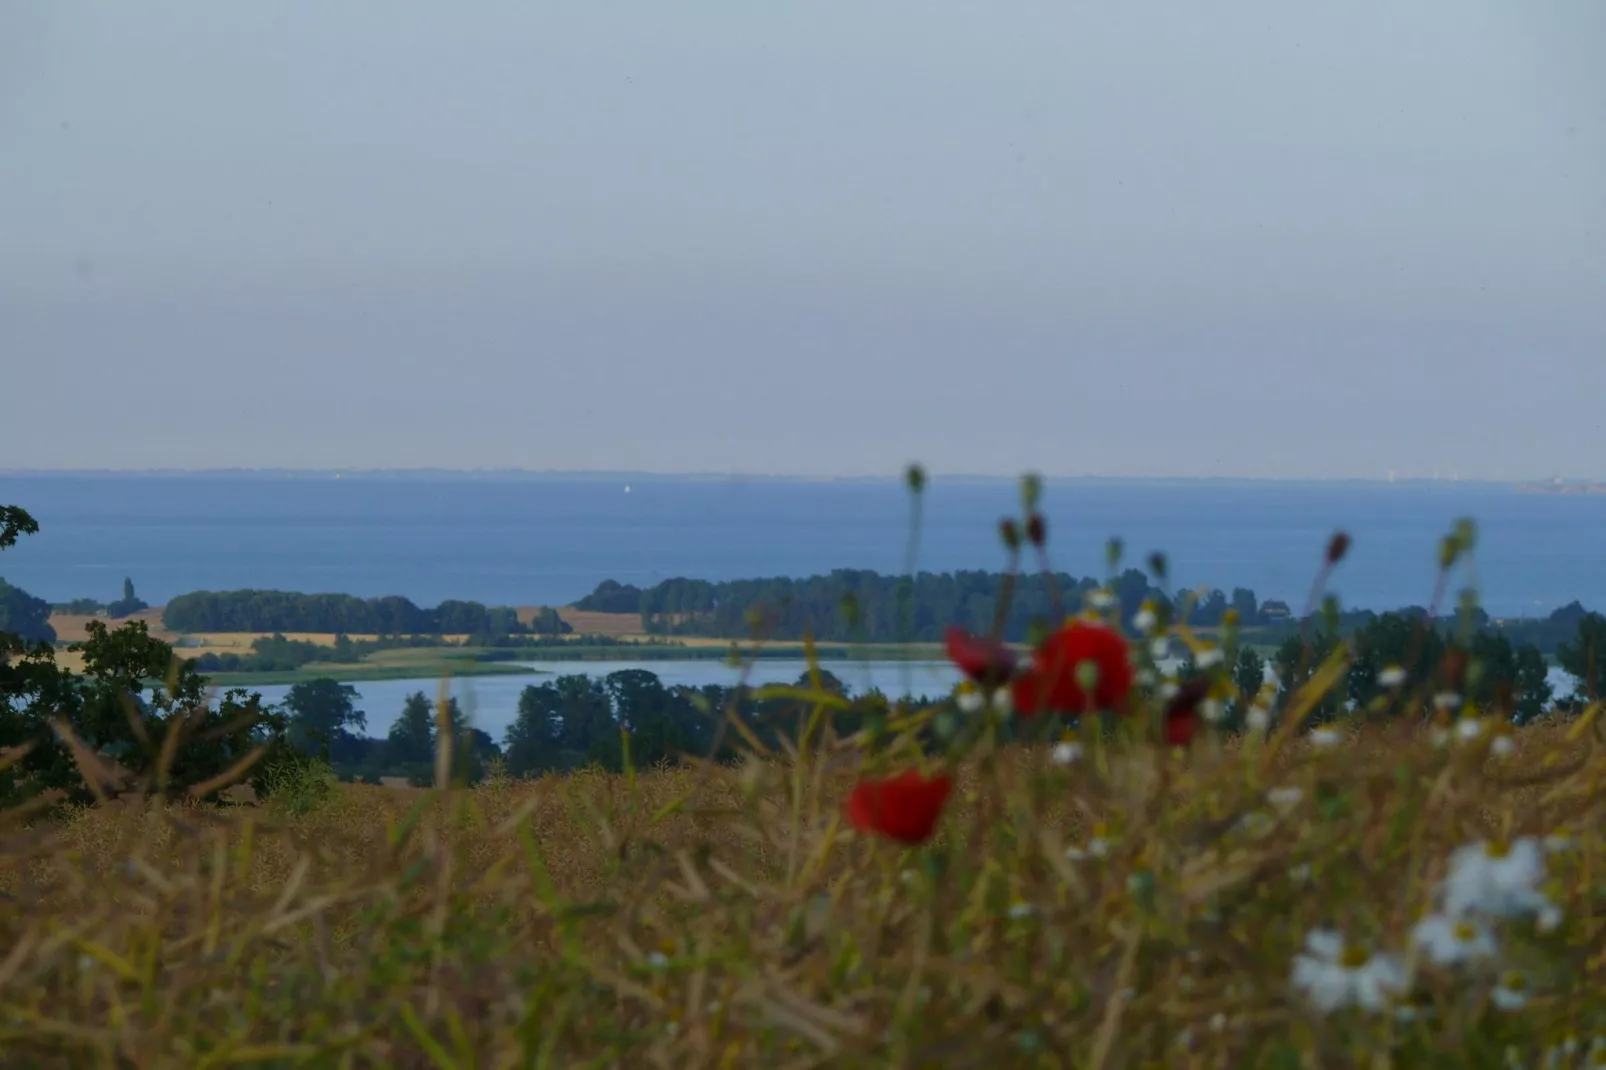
pixel 858 605
pixel 289 611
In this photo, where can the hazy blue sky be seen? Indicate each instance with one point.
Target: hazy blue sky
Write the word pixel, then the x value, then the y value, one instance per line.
pixel 1226 238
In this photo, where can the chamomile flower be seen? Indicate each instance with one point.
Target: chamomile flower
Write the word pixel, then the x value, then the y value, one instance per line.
pixel 1258 719
pixel 1019 910
pixel 1211 711
pixel 1334 974
pixel 1285 798
pixel 1450 941
pixel 1169 690
pixel 1210 657
pixel 1391 677
pixel 1446 700
pixel 1512 991
pixel 1144 620
pixel 1496 877
pixel 1503 745
pixel 1003 702
pixel 969 698
pixel 1101 598
pixel 1160 648
pixel 1067 752
pixel 1097 847
pixel 1325 737
pixel 1468 729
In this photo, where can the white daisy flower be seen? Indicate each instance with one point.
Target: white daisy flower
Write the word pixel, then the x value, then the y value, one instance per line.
pixel 1003 701
pixel 1325 737
pixel 1097 847
pixel 1101 598
pixel 1147 678
pixel 1211 710
pixel 970 700
pixel 1210 657
pixel 1497 878
pixel 1468 729
pixel 1446 700
pixel 1391 677
pixel 1548 917
pixel 1218 1022
pixel 1160 648
pixel 1169 690
pixel 1021 910
pixel 1512 991
pixel 1285 798
pixel 1449 941
pixel 1066 753
pixel 1503 745
pixel 1334 974
pixel 1144 621
pixel 1258 719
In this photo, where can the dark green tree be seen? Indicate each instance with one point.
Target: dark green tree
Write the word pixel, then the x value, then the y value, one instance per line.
pixel 322 714
pixel 1584 658
pixel 411 740
pixel 126 606
pixel 23 615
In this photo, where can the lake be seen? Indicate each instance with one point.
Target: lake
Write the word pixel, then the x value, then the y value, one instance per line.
pixel 493 700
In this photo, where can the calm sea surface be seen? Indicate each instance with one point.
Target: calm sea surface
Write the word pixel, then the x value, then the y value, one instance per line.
pixel 551 540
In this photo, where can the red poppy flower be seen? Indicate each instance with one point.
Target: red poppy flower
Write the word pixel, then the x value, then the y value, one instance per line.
pixel 1052 684
pixel 904 808
pixel 1182 712
pixel 986 661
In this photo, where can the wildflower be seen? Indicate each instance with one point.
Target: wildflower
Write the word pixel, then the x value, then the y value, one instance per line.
pixel 1097 847
pixel 1449 941
pixel 1021 910
pixel 1391 677
pixel 1548 917
pixel 1101 598
pixel 1182 712
pixel 983 660
pixel 1144 621
pixel 1325 737
pixel 1067 753
pixel 1082 666
pixel 1496 877
pixel 1210 657
pixel 1147 678
pixel 1258 719
pixel 657 960
pixel 1211 710
pixel 1468 729
pixel 1559 841
pixel 904 808
pixel 1503 746
pixel 1002 701
pixel 1284 798
pixel 1170 689
pixel 969 698
pixel 1335 974
pixel 1446 700
pixel 1512 991
pixel 1160 648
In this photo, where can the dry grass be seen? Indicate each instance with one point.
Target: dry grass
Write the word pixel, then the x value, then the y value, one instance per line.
pixel 724 917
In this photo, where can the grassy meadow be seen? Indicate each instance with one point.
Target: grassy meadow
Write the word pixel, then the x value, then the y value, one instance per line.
pixel 1108 904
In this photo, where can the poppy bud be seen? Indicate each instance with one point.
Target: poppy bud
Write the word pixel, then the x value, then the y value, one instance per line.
pixel 915 477
pixel 1031 491
pixel 1449 550
pixel 1112 553
pixel 1466 534
pixel 1158 565
pixel 1009 531
pixel 1036 530
pixel 1337 547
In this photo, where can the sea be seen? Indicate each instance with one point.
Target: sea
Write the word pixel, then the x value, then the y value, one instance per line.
pixel 528 539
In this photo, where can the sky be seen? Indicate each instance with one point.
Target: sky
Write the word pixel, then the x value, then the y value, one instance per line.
pixel 1246 238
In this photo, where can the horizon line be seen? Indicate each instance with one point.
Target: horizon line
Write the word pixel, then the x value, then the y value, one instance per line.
pixel 648 475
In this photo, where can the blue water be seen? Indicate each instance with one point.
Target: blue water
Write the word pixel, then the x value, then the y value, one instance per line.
pixel 551 540
pixel 492 701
